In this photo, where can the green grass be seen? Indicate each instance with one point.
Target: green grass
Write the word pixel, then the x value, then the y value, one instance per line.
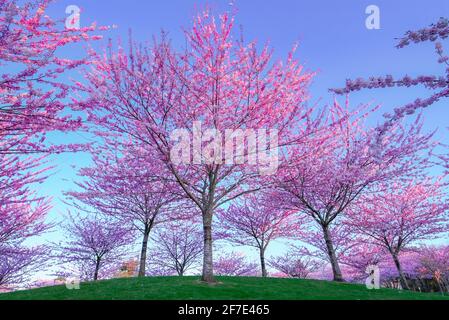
pixel 228 288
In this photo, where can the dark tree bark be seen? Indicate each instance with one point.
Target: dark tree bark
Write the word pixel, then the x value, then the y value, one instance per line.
pixel 97 269
pixel 332 256
pixel 262 263
pixel 143 252
pixel 402 278
pixel 208 270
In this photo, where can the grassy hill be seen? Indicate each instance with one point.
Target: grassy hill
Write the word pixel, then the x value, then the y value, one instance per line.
pixel 228 288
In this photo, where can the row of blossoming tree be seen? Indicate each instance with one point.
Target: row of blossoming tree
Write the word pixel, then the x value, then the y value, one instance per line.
pixel 345 195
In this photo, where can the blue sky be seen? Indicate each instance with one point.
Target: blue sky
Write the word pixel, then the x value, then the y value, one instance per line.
pixel 333 41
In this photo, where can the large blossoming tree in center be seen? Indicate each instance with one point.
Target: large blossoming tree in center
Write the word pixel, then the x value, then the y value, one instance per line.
pixel 218 82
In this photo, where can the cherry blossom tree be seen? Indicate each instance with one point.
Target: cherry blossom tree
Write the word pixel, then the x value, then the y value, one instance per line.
pixel 22 212
pixel 324 179
pixel 156 270
pixel 434 263
pixel 356 259
pixel 343 241
pixel 254 222
pixel 401 214
pixel 120 186
pixel 294 266
pixel 177 247
pixel 410 266
pixel 438 84
pixel 444 161
pixel 31 89
pixel 94 243
pixel 234 264
pixel 216 85
pixel 32 92
pixel 17 263
pixel 22 217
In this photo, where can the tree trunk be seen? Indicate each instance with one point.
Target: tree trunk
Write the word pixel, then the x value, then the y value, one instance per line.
pixel 262 263
pixel 440 287
pixel 143 252
pixel 97 269
pixel 332 256
pixel 208 269
pixel 402 279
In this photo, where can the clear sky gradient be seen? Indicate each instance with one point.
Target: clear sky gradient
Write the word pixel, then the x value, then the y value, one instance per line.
pixel 332 37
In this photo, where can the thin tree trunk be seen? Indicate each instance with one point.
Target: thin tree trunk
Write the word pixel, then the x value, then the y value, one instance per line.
pixel 179 269
pixel 402 279
pixel 97 269
pixel 332 256
pixel 262 263
pixel 208 269
pixel 440 287
pixel 143 252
